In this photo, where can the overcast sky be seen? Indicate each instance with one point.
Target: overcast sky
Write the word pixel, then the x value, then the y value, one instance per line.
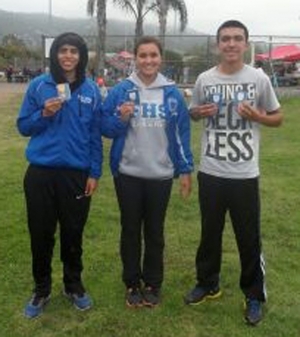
pixel 262 17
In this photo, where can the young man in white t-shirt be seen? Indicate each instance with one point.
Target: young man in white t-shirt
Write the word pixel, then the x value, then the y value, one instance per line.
pixel 233 100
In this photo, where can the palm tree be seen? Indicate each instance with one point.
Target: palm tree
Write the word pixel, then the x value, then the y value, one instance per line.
pixel 101 24
pixel 163 6
pixel 139 8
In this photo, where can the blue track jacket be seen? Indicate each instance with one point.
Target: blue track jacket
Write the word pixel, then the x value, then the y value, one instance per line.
pixel 177 130
pixel 69 139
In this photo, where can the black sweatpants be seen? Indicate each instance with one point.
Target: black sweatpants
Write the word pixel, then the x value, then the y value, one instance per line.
pixel 143 204
pixel 51 199
pixel 241 198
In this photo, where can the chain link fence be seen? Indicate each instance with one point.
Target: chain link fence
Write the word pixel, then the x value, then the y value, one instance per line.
pixel 185 56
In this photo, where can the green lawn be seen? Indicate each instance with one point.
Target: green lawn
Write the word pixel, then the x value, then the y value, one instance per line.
pixel 280 191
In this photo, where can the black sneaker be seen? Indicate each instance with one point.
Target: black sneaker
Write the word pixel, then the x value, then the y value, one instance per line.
pixel 201 294
pixel 151 297
pixel 34 308
pixel 253 311
pixel 134 298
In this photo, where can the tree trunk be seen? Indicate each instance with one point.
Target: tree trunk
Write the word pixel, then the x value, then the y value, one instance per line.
pixel 139 31
pixel 101 42
pixel 162 18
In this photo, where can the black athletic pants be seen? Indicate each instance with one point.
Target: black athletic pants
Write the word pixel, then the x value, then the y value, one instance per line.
pixel 241 198
pixel 143 204
pixel 51 199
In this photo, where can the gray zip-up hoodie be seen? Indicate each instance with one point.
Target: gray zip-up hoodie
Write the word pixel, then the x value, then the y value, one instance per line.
pixel 145 153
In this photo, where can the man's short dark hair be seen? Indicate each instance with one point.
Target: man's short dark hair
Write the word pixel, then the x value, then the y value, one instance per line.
pixel 147 40
pixel 233 24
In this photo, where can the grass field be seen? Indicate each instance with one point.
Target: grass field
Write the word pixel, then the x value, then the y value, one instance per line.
pixel 280 191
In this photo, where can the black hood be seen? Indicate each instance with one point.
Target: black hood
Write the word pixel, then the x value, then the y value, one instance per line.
pixel 77 41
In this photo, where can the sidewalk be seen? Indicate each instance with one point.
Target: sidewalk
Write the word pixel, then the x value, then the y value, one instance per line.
pixel 12 88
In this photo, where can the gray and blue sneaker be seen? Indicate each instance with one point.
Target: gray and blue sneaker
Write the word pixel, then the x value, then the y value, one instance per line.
pixel 34 308
pixel 80 300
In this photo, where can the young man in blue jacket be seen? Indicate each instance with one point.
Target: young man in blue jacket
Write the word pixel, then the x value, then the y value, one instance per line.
pixel 61 115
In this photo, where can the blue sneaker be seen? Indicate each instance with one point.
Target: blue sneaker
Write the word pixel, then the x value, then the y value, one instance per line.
pixel 201 294
pixel 81 301
pixel 34 308
pixel 253 311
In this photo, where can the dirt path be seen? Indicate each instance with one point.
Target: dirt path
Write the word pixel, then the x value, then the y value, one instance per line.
pixel 9 89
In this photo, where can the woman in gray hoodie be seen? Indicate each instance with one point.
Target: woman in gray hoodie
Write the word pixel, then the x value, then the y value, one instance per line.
pixel 147 118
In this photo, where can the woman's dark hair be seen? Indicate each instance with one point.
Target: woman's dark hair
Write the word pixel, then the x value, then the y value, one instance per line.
pixel 147 40
pixel 75 40
pixel 233 24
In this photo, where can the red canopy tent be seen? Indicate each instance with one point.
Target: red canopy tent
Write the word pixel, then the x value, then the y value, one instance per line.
pixel 121 60
pixel 126 55
pixel 288 53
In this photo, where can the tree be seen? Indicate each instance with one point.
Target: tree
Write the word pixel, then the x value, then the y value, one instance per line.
pixel 163 6
pixel 139 8
pixel 173 65
pixel 13 40
pixel 13 47
pixel 13 50
pixel 101 25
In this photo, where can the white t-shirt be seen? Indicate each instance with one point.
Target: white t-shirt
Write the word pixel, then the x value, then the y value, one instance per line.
pixel 230 143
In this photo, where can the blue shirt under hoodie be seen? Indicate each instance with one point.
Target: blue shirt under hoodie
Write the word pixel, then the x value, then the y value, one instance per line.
pixel 69 139
pixel 154 144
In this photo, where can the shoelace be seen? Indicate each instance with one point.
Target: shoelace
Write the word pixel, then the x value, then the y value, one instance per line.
pixel 36 300
pixel 152 291
pixel 253 306
pixel 134 291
